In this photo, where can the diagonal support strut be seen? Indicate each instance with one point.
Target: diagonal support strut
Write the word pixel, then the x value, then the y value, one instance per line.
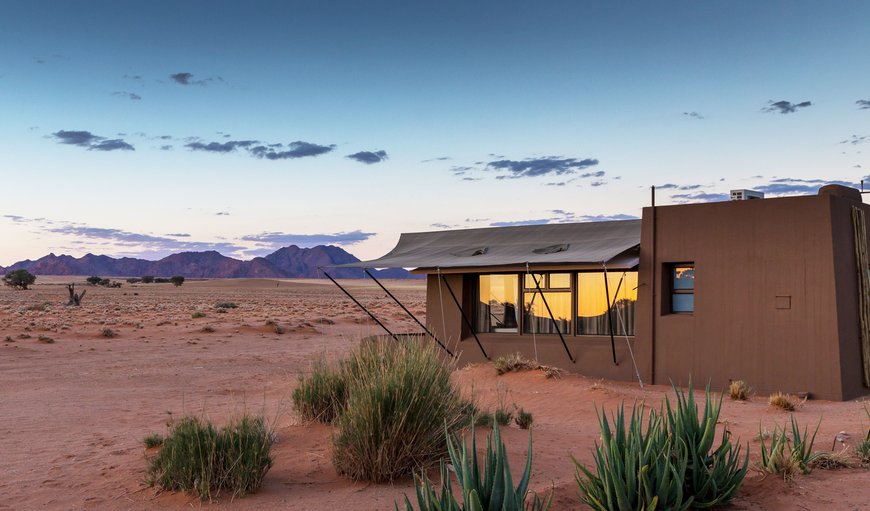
pixel 361 306
pixel 553 319
pixel 464 317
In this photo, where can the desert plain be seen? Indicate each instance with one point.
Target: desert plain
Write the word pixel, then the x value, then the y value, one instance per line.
pixel 80 387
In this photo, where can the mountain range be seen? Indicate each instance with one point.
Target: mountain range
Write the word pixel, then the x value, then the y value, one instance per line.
pixel 287 262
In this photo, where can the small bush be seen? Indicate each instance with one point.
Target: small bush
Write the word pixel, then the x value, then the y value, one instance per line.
pixel 207 329
pixel 524 419
pixel 834 460
pixel 198 458
pixel 108 333
pixel 147 279
pixel 495 490
pixel 862 450
pixel 503 416
pixel 153 440
pixel 226 305
pixel 279 329
pixel 8 338
pixel 321 396
pixel 514 362
pixel 133 280
pixel 739 390
pixel 782 401
pixel 400 400
pixel 176 280
pixel 197 315
pixel 44 339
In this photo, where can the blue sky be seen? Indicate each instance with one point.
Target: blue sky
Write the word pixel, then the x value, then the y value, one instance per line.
pixel 146 128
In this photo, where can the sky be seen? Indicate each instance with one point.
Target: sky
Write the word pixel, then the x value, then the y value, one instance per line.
pixel 148 128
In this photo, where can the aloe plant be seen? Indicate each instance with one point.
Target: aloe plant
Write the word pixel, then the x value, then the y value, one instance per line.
pixel 638 467
pixel 789 455
pixel 802 445
pixel 491 488
pixel 712 478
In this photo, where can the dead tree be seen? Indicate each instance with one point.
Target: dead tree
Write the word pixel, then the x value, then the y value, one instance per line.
pixel 75 298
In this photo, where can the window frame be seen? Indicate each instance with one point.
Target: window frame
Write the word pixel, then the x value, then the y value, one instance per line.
pixel 673 290
pixel 546 288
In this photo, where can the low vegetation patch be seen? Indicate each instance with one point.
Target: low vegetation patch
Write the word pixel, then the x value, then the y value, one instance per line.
pixel 739 390
pixel 198 458
pixel 226 305
pixel 523 419
pixel 782 401
pixel 321 395
pixel 517 362
pixel 153 440
pixel 834 460
pixel 400 400
pixel 488 487
pixel 669 463
pixel 44 339
pixel 207 329
pixel 790 452
pixel 108 333
pixel 197 315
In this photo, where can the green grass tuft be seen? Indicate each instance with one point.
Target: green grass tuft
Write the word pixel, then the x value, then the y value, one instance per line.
pixel 320 396
pixel 198 458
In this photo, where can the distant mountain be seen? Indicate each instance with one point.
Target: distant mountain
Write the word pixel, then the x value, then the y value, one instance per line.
pixel 287 262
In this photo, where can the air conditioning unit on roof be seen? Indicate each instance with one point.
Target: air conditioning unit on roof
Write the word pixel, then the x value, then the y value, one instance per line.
pixel 746 195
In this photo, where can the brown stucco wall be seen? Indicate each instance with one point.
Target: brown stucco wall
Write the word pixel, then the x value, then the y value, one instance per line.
pixel 747 253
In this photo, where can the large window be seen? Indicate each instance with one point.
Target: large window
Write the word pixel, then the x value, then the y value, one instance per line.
pixel 594 296
pixel 552 303
pixel 497 303
pixel 682 282
pixel 556 289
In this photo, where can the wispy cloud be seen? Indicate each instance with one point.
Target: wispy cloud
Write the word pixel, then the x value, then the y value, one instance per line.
pixel 510 223
pixel 440 158
pixel 863 104
pixel 534 167
pixel 855 140
pixel 694 115
pixel 281 239
pixel 129 95
pixel 258 149
pixel 795 186
pixel 785 107
pixel 561 216
pixel 672 186
pixel 90 141
pixel 186 78
pixel 368 157
pixel 682 198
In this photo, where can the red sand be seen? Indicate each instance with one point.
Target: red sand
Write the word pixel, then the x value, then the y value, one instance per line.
pixel 74 412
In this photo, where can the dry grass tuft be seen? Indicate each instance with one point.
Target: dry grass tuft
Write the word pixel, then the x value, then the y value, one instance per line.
pixel 108 333
pixel 783 401
pixel 834 460
pixel 517 362
pixel 739 390
pixel 44 339
pixel 207 329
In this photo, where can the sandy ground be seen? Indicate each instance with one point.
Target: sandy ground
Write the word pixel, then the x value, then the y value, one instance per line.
pixel 73 412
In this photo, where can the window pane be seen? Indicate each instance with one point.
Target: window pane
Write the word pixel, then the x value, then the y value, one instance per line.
pixel 497 305
pixel 560 281
pixel 529 279
pixel 683 302
pixel 592 303
pixel 683 277
pixel 537 320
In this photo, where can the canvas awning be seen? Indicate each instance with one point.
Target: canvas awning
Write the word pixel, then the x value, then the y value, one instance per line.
pixel 550 244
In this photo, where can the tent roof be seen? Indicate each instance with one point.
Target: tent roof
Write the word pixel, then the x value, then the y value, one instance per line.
pixel 588 242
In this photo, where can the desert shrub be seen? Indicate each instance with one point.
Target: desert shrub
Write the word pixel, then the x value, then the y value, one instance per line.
pixel 40 307
pixel 514 362
pixel 739 390
pixel 198 458
pixel 862 450
pixel 161 280
pixel 789 455
pixel 8 338
pixel 95 280
pixel 114 284
pixel 207 329
pixel 197 315
pixel 133 280
pixel 147 279
pixel 44 339
pixel 712 475
pixel 153 440
pixel 280 329
pixel 488 487
pixel 226 305
pixel 834 460
pixel 176 280
pixel 399 401
pixel 19 279
pixel 320 396
pixel 523 419
pixel 503 415
pixel 636 467
pixel 108 333
pixel 785 402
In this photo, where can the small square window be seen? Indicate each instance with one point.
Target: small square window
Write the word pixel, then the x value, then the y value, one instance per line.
pixel 682 287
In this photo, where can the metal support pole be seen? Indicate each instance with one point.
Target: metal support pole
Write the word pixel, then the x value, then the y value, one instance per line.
pixel 361 306
pixel 408 312
pixel 464 317
pixel 553 319
pixel 609 316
